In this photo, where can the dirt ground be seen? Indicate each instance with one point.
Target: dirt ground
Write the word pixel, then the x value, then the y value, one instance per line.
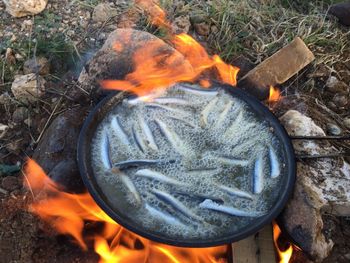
pixel 66 33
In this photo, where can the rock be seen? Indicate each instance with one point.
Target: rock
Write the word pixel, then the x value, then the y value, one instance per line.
pixel 333 129
pixel 39 65
pixel 20 8
pixel 102 12
pixel 342 12
pixel 322 186
pixel 3 130
pixel 20 114
pixel 115 59
pixel 5 99
pixel 57 150
pixel 202 29
pixel 181 24
pixel 336 86
pixel 10 183
pixel 347 122
pixel 28 88
pixel 275 70
pixel 341 100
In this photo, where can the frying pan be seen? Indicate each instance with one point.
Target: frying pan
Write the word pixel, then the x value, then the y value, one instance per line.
pixel 287 184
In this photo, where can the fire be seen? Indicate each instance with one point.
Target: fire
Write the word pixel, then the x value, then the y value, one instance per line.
pixel 275 94
pixel 156 70
pixel 68 214
pixel 284 256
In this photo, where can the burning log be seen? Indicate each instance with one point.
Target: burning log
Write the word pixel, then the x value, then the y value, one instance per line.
pixel 277 69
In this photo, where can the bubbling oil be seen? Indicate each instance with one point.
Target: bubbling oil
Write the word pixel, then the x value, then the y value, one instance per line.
pixel 192 164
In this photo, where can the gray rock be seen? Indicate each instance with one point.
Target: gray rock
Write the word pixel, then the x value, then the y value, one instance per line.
pixel 3 130
pixel 20 8
pixel 20 114
pixel 347 122
pixel 333 129
pixel 342 12
pixel 322 186
pixel 10 183
pixel 115 63
pixel 28 88
pixel 337 86
pixel 181 24
pixel 202 29
pixel 39 65
pixel 103 11
pixel 340 100
pixel 57 150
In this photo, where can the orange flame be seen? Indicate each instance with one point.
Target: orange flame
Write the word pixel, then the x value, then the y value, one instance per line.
pixel 284 256
pixel 68 213
pixel 275 94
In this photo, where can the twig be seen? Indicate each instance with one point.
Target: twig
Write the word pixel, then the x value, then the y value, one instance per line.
pixel 28 183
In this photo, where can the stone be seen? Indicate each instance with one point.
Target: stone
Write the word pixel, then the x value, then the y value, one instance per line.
pixel 20 114
pixel 28 88
pixel 181 24
pixel 10 183
pixel 202 29
pixel 322 186
pixel 336 86
pixel 115 59
pixel 3 130
pixel 340 100
pixel 37 65
pixel 20 8
pixel 57 150
pixel 342 12
pixel 103 12
pixel 347 122
pixel 277 69
pixel 333 129
pixel 10 57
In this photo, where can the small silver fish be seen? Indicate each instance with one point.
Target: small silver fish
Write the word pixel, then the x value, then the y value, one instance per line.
pixel 128 183
pixel 210 204
pixel 232 161
pixel 176 204
pixel 206 111
pixel 150 141
pixel 157 176
pixel 105 151
pixel 223 115
pixel 135 101
pixel 135 163
pixel 199 92
pixel 164 216
pixel 235 192
pixel 139 142
pixel 186 122
pixel 233 127
pixel 258 178
pixel 167 108
pixel 275 165
pixel 169 100
pixel 172 137
pixel 116 126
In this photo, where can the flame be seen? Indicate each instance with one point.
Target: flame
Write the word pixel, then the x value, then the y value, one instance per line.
pixel 157 67
pixel 275 94
pixel 68 214
pixel 284 256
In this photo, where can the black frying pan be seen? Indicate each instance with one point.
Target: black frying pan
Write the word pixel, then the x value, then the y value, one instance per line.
pixel 84 161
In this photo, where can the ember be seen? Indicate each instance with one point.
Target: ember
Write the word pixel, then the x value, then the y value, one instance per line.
pixel 67 213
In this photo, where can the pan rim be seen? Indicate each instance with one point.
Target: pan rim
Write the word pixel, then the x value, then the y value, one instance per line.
pixel 286 189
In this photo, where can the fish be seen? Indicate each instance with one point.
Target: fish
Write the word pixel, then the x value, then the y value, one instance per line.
pixel 105 151
pixel 150 141
pixel 210 204
pixel 183 120
pixel 223 114
pixel 275 165
pixel 135 163
pixel 206 111
pixel 164 216
pixel 139 142
pixel 232 161
pixel 172 137
pixel 167 108
pixel 135 101
pixel 170 100
pixel 199 92
pixel 128 183
pixel 176 204
pixel 258 178
pixel 157 176
pixel 119 131
pixel 232 129
pixel 235 192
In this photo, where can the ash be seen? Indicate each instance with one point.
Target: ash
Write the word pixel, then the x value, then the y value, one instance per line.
pixel 190 163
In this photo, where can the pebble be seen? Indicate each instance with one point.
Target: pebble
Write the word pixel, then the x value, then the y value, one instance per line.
pixel 3 130
pixel 333 129
pixel 202 29
pixel 10 183
pixel 20 114
pixel 347 122
pixel 340 100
